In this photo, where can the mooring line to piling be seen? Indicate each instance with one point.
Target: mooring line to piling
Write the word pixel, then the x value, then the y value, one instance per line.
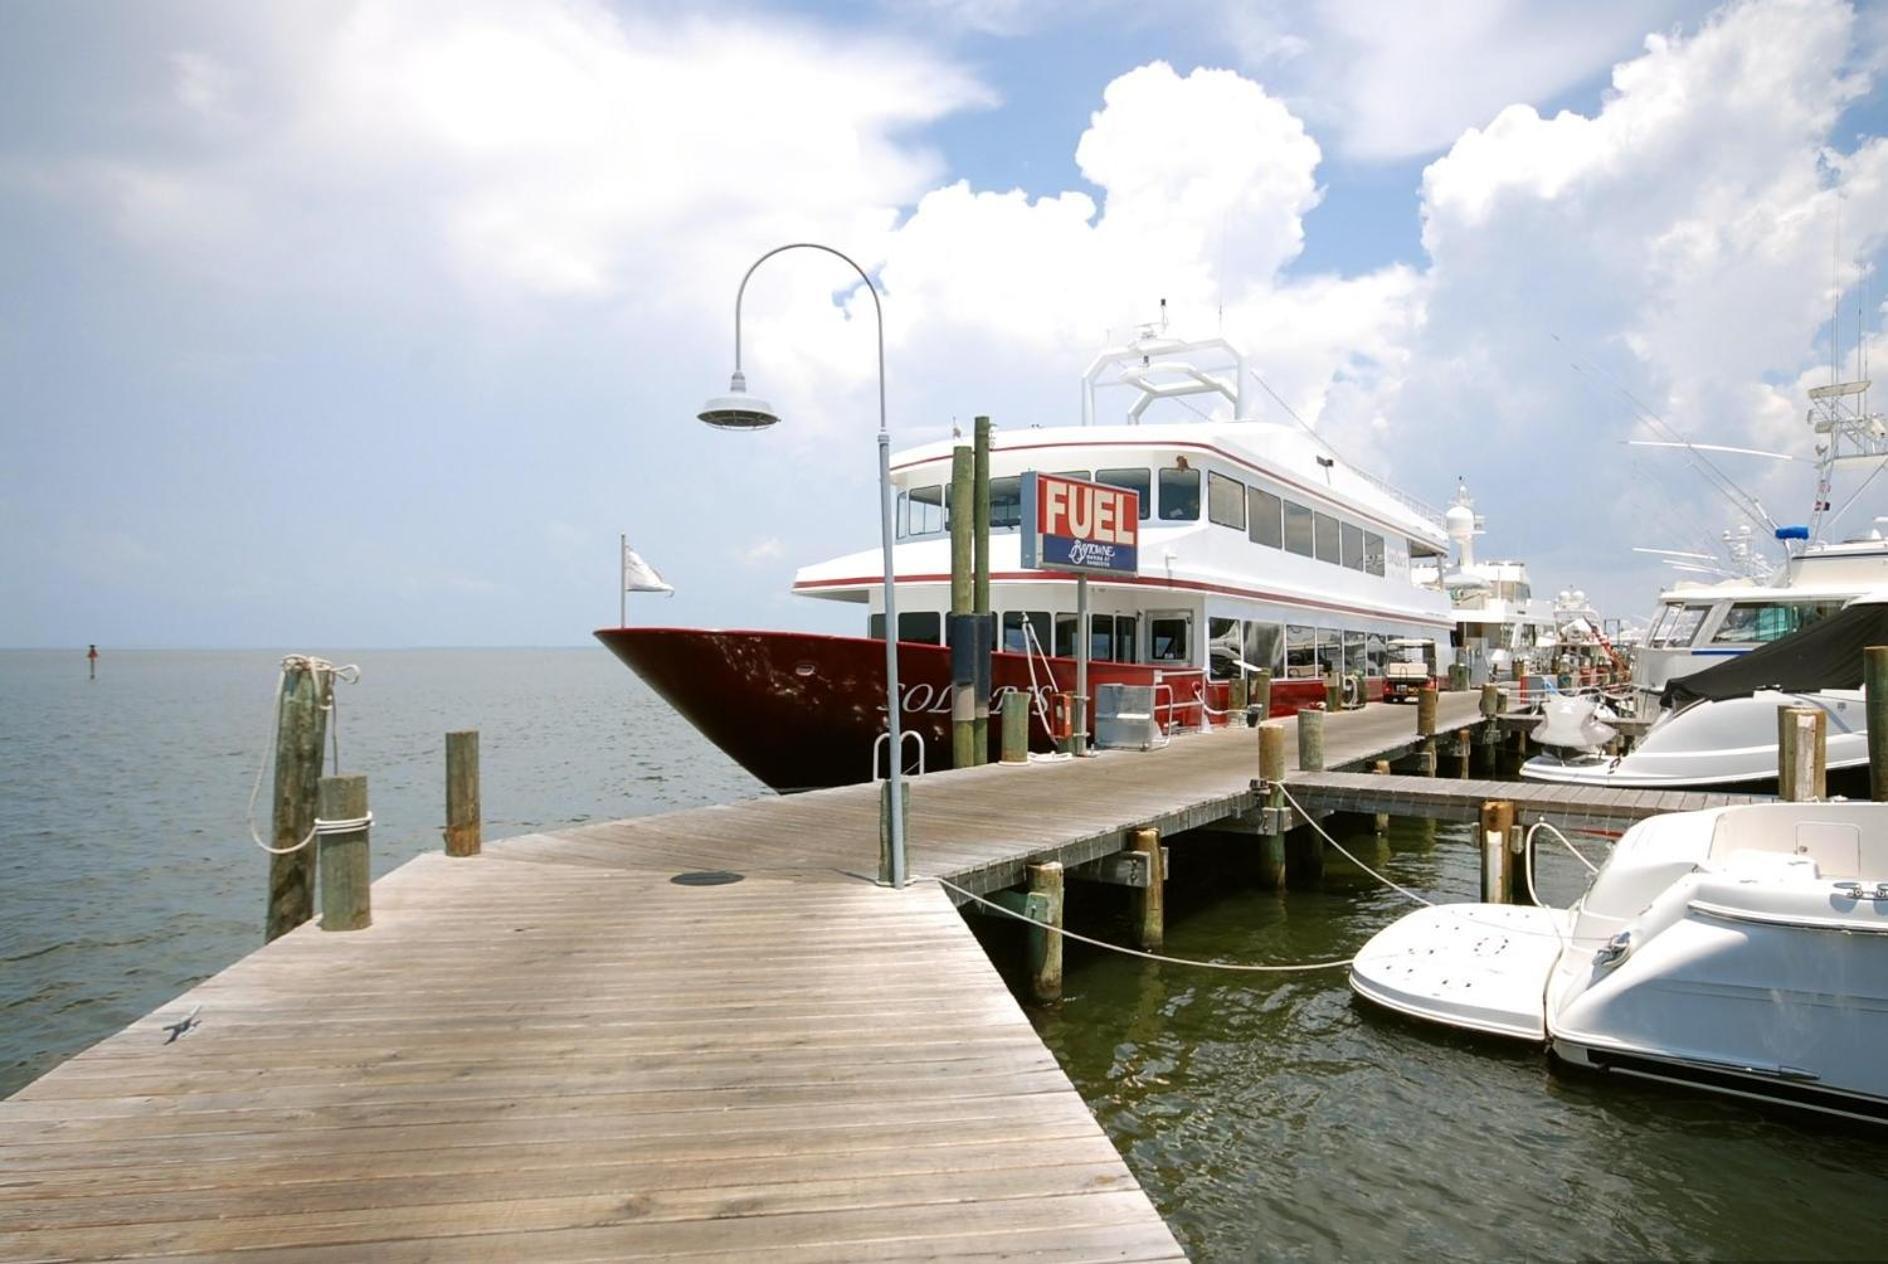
pixel 1135 952
pixel 1345 852
pixel 315 667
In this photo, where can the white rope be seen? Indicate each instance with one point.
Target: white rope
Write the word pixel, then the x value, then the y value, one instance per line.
pixel 1312 822
pixel 1564 842
pixel 345 825
pixel 1135 952
pixel 315 667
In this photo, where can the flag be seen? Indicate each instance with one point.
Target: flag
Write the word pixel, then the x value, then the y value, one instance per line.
pixel 639 576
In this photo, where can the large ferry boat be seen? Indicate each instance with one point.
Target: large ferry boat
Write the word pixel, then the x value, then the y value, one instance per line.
pixel 1259 548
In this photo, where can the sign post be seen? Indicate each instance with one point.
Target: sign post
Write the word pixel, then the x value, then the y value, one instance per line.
pixel 1088 529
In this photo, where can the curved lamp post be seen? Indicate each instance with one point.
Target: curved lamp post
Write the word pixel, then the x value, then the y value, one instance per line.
pixel 737 410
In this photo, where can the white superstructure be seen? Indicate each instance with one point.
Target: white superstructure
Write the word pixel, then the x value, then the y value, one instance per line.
pixel 1500 624
pixel 1259 546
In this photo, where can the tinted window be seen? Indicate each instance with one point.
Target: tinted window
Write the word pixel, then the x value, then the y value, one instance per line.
pixel 1006 501
pixel 917 625
pixel 1327 534
pixel 1301 651
pixel 1167 639
pixel 1179 495
pixel 1013 634
pixel 1222 648
pixel 1298 529
pixel 1126 637
pixel 1769 621
pixel 1353 546
pixel 1265 647
pixel 1136 481
pixel 1226 501
pixel 1064 636
pixel 1082 475
pixel 1373 553
pixel 1330 652
pixel 1264 512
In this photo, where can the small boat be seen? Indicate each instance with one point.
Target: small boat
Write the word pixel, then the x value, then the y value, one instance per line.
pixel 1719 726
pixel 1741 950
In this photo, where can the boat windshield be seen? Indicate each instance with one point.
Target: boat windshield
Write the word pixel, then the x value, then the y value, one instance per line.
pixel 1766 621
pixel 1678 626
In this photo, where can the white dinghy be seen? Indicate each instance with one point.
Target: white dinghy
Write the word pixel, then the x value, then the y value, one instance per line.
pixel 1742 950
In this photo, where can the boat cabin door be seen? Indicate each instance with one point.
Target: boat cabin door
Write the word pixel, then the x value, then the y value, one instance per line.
pixel 1170 637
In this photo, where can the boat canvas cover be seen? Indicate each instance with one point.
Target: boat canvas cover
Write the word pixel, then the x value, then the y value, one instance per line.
pixel 1825 655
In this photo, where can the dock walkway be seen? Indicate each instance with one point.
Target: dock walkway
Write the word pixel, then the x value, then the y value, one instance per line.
pixel 552 1051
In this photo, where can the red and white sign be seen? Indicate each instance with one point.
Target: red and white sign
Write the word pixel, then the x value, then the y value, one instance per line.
pixel 1069 524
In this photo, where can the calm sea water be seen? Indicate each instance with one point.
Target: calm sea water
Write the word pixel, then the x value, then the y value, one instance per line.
pixel 1269 1117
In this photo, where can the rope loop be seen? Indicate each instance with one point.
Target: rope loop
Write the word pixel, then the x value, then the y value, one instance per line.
pixel 316 667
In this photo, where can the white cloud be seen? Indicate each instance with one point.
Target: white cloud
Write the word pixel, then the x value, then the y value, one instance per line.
pixel 762 551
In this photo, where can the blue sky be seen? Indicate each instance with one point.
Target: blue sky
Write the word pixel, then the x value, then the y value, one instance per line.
pixel 356 325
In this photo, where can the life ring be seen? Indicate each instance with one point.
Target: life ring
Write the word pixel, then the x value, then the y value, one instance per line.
pixel 1353 692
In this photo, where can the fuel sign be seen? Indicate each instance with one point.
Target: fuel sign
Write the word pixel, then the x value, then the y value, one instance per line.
pixel 1071 525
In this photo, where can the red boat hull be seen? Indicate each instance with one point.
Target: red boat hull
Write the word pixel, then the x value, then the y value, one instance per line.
pixel 803 711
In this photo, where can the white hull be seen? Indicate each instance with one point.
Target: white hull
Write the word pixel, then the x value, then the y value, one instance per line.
pixel 1722 743
pixel 1741 950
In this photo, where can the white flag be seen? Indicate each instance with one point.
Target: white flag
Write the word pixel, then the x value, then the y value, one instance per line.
pixel 639 576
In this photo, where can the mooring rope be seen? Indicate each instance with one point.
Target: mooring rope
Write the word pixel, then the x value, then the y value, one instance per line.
pixel 1345 852
pixel 315 667
pixel 1234 966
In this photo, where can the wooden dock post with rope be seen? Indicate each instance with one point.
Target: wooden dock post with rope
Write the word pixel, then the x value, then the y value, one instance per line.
pixel 301 736
pixel 1272 773
pixel 345 864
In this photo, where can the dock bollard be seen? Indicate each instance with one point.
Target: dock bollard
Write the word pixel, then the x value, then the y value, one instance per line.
pixel 1259 693
pixel 1802 753
pixel 464 832
pixel 1272 771
pixel 1045 945
pixel 346 874
pixel 1426 711
pixel 1497 860
pixel 1311 739
pixel 1491 700
pixel 1150 901
pixel 1016 727
pixel 1875 682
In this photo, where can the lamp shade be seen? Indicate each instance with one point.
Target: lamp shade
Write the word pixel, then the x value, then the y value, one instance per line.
pixel 737 410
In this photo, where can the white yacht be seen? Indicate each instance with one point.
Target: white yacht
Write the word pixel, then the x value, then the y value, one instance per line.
pixel 1741 950
pixel 1258 547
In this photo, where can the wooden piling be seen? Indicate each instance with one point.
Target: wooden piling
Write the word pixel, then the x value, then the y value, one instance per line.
pixel 1016 727
pixel 1497 860
pixel 963 533
pixel 1464 755
pixel 1382 769
pixel 1311 739
pixel 301 732
pixel 1259 693
pixel 1517 874
pixel 1426 711
pixel 1236 699
pixel 346 871
pixel 1333 692
pixel 1150 901
pixel 1875 682
pixel 1802 753
pixel 1491 700
pixel 1045 941
pixel 1272 772
pixel 464 829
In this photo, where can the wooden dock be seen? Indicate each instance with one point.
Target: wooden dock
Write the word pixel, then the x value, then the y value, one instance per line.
pixel 553 1051
pixel 1597 808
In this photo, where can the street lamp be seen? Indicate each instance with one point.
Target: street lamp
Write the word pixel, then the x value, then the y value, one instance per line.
pixel 737 410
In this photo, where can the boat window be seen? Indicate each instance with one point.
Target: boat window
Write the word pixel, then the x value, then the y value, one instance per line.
pixel 1373 553
pixel 1330 652
pixel 1681 626
pixel 1127 630
pixel 915 625
pixel 1327 537
pixel 1265 647
pixel 1764 621
pixel 1226 501
pixel 1265 511
pixel 1167 638
pixel 1298 529
pixel 1353 546
pixel 1655 629
pixel 1301 651
pixel 1375 651
pixel 1064 636
pixel 925 513
pixel 1082 475
pixel 1179 495
pixel 1222 648
pixel 1136 481
pixel 1013 638
pixel 1100 637
pixel 1006 502
pixel 1355 659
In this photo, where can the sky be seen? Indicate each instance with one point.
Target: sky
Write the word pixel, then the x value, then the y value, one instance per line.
pixel 374 324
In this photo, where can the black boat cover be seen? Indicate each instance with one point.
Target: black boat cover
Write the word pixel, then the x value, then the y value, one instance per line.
pixel 1825 655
